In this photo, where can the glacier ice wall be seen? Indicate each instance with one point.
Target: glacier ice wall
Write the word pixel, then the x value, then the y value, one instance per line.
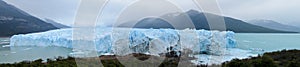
pixel 124 41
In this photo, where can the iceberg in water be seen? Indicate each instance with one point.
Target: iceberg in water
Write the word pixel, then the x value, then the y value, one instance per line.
pixel 124 41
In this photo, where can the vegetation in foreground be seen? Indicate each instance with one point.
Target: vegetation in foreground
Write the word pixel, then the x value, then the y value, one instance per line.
pixel 171 60
pixel 284 58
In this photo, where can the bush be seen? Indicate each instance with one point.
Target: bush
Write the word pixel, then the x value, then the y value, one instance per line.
pixel 285 58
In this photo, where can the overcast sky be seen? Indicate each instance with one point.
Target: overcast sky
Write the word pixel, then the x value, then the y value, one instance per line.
pixel 64 11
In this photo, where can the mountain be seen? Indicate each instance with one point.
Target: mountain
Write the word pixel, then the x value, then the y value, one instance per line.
pixel 274 25
pixel 200 22
pixel 56 24
pixel 153 23
pixel 15 21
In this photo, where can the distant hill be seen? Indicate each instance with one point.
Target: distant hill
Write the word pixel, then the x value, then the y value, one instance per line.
pixel 56 24
pixel 153 23
pixel 15 21
pixel 274 25
pixel 200 22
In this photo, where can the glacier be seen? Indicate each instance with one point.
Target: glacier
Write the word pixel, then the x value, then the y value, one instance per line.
pixel 124 41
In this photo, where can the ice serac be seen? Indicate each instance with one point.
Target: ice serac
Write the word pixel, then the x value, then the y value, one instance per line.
pixel 123 40
pixel 60 38
pixel 153 41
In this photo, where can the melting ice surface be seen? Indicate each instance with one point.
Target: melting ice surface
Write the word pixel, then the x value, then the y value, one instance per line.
pixel 211 47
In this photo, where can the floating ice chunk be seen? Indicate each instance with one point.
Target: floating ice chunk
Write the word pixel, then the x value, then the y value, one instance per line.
pixel 6 46
pixel 231 53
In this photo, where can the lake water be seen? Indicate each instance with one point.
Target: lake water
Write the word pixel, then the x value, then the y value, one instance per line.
pixel 17 54
pixel 268 41
pixel 264 41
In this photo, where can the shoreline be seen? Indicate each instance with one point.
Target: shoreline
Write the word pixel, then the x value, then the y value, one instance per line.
pixel 110 60
pixel 170 60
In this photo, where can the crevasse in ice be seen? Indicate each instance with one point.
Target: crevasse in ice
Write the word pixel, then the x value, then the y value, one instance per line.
pixel 122 40
pixel 154 41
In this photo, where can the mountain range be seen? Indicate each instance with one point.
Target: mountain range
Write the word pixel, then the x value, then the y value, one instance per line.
pixel 274 25
pixel 56 24
pixel 15 21
pixel 200 22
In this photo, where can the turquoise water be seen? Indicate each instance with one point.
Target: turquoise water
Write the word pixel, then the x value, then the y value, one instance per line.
pixel 267 42
pixel 18 54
